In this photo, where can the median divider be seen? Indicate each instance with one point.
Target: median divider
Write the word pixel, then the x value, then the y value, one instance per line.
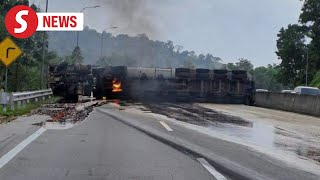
pixel 223 165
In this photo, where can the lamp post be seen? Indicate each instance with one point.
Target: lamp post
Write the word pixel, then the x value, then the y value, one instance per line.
pixel 103 37
pixel 307 65
pixel 307 42
pixel 43 51
pixel 89 7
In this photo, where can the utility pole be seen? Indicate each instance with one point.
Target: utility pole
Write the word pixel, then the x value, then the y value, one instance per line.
pixel 307 66
pixel 43 51
pixel 103 37
pixel 78 33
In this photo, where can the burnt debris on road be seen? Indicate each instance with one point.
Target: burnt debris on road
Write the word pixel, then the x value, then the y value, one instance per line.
pixel 195 114
pixel 66 112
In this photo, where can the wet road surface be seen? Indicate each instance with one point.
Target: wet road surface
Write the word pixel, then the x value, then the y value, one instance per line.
pixel 274 129
pixel 248 130
pixel 261 165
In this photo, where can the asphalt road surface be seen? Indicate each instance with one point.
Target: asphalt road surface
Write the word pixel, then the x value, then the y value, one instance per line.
pixel 100 148
pixel 231 158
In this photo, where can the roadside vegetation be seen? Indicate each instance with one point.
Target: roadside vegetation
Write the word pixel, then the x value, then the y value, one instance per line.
pixel 24 73
pixel 19 111
pixel 298 44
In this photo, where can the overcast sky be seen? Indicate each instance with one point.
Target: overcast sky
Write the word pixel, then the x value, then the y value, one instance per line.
pixel 230 29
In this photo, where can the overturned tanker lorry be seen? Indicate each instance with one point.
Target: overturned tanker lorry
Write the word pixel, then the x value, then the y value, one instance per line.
pixel 163 84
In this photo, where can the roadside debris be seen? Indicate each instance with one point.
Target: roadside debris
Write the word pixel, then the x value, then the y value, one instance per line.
pixel 67 112
pixel 6 119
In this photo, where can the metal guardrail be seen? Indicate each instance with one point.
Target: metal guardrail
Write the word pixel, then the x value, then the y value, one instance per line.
pixel 22 98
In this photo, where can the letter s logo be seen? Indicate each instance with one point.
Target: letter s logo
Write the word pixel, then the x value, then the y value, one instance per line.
pixel 21 21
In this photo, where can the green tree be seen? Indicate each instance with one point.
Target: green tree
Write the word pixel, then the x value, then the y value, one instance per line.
pixel 53 58
pixel 24 73
pixel 245 64
pixel 292 53
pixel 242 64
pixel 265 78
pixel 316 80
pixel 292 48
pixel 76 56
pixel 310 18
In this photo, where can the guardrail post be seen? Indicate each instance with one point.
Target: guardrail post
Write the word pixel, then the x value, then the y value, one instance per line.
pixel 19 104
pixel 4 107
pixel 23 103
pixel 11 102
pixel 4 101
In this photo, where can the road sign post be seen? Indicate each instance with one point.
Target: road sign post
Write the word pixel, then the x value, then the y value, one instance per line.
pixel 6 81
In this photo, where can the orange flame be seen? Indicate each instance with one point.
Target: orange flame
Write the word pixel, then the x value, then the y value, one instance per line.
pixel 116 85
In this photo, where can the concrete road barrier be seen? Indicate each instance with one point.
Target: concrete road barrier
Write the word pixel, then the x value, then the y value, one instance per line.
pixel 304 104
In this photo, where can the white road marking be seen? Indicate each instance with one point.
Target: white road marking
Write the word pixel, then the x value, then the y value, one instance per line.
pixel 13 152
pixel 211 169
pixel 165 125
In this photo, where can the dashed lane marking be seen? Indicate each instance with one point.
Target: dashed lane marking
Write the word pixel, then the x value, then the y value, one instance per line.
pixel 13 152
pixel 211 169
pixel 165 125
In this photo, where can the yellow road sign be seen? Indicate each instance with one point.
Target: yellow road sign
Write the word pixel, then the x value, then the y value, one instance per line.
pixel 9 52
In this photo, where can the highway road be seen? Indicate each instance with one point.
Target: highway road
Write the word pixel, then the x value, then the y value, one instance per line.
pixel 119 143
pixel 101 148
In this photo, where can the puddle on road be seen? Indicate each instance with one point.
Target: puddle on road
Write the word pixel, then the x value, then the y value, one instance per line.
pixel 258 134
pixel 267 136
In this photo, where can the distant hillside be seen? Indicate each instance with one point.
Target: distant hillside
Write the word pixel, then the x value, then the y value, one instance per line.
pixel 144 52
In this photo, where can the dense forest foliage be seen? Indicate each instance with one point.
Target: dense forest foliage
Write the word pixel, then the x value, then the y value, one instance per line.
pixel 138 51
pixel 23 74
pixel 299 48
